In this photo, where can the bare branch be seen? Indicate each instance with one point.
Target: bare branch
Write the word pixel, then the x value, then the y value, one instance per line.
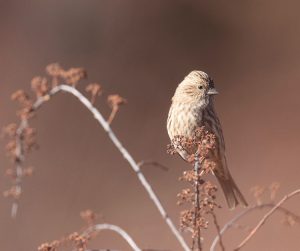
pixel 153 163
pixel 116 229
pixel 265 217
pixel 218 230
pixel 247 211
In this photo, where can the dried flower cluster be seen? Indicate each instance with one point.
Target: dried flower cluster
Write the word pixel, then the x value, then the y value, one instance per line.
pixel 78 240
pixel 202 194
pixel 95 90
pixel 200 144
pixel 25 102
pixel 71 76
pixel 114 101
pixel 22 137
pixel 19 143
pixel 40 86
pixel 259 192
pixel 89 217
pixel 206 206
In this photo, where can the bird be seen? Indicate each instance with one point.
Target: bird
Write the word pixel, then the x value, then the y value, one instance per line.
pixel 193 107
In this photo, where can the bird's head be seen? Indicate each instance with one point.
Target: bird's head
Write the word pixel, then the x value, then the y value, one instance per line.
pixel 196 87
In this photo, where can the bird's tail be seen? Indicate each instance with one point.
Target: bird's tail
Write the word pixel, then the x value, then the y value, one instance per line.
pixel 231 191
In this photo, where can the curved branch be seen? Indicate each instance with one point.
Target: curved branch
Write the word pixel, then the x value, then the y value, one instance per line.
pixel 233 221
pixel 98 116
pixel 116 229
pixel 264 219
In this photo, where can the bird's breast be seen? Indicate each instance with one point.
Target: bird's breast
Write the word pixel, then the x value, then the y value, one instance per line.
pixel 183 119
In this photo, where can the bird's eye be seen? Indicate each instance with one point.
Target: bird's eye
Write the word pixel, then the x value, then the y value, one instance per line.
pixel 200 87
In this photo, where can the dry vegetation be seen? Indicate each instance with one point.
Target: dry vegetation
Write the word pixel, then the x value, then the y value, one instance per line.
pixel 199 197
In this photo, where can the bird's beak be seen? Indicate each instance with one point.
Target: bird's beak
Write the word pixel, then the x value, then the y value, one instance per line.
pixel 212 91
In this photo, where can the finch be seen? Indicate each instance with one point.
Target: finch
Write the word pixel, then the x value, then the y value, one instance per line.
pixel 192 107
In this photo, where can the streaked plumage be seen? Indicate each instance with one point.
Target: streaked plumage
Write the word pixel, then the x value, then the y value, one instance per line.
pixel 192 107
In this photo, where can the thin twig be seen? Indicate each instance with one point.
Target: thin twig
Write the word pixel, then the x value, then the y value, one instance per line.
pixel 153 163
pixel 242 214
pixel 265 217
pixel 116 229
pixel 112 115
pixel 218 230
pixel 98 116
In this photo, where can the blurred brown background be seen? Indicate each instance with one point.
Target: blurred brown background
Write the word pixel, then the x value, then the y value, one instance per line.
pixel 142 50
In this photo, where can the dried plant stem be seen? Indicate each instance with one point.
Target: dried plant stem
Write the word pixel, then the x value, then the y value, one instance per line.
pixel 116 229
pixel 197 238
pixel 233 221
pixel 218 230
pixel 265 217
pixel 112 115
pixel 19 168
pixel 98 116
pixel 152 163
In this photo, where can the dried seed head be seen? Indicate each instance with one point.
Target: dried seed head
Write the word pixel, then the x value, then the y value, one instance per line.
pixel 40 86
pixel 258 192
pixel 55 71
pixel 79 241
pixel 289 220
pixel 274 187
pixel 13 192
pixel 74 75
pixel 19 95
pixel 88 216
pixel 28 171
pixel 48 247
pixel 115 101
pixel 10 130
pixel 95 90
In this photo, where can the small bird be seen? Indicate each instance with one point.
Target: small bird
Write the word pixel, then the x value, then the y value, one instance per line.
pixel 192 107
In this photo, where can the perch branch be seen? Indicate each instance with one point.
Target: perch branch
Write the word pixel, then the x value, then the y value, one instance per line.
pixel 197 239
